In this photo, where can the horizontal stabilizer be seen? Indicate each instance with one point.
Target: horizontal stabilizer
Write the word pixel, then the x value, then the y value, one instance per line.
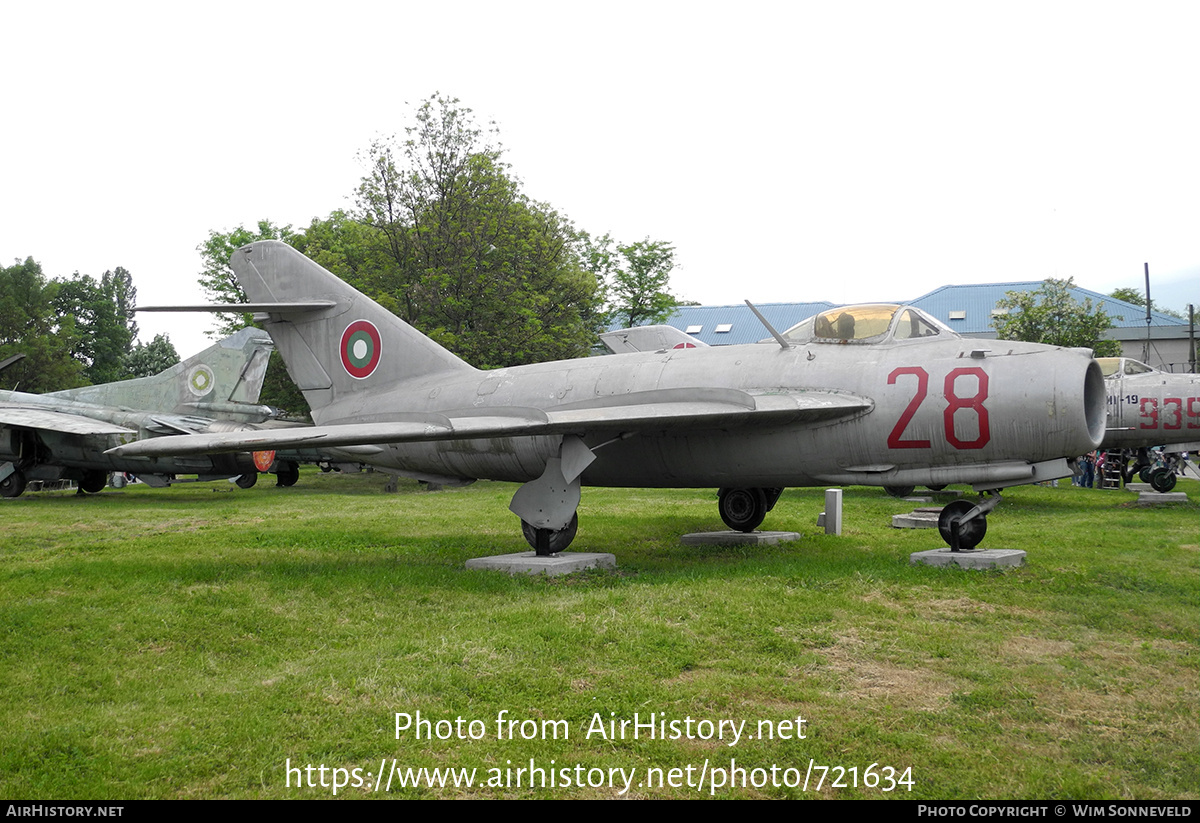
pixel 670 410
pixel 246 308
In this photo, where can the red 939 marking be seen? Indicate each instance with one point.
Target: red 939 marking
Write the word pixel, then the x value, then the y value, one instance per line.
pixel 1171 414
pixel 954 405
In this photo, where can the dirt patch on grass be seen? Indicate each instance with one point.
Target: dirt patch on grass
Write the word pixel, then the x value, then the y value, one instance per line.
pixel 863 677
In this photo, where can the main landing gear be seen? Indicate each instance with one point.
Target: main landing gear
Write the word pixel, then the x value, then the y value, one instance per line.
pixel 546 542
pixel 963 524
pixel 743 510
pixel 13 484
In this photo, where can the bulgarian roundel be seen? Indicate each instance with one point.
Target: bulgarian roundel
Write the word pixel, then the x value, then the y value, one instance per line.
pixel 361 347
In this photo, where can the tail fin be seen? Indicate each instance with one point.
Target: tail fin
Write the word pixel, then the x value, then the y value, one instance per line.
pixel 339 348
pixel 225 378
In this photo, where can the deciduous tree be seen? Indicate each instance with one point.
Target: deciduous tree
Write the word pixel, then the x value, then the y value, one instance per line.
pixel 216 278
pixel 471 260
pixel 30 326
pixel 636 277
pixel 147 359
pixel 1051 315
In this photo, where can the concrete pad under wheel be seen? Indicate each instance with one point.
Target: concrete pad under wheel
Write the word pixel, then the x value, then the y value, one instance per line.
pixel 1156 498
pixel 925 517
pixel 552 566
pixel 732 538
pixel 971 558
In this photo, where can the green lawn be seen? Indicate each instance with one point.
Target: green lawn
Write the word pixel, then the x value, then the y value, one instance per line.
pixel 195 641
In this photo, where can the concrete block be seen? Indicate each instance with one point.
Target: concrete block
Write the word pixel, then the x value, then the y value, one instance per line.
pixel 925 517
pixel 970 559
pixel 732 538
pixel 1159 498
pixel 530 563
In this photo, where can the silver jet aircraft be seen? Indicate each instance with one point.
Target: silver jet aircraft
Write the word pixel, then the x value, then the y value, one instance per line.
pixel 1148 408
pixel 876 395
pixel 64 435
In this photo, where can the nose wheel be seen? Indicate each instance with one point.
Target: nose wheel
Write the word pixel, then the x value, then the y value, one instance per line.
pixel 963 524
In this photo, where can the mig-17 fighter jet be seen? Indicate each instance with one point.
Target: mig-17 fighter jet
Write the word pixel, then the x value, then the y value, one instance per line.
pixel 878 395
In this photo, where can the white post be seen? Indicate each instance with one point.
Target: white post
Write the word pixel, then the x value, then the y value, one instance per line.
pixel 833 511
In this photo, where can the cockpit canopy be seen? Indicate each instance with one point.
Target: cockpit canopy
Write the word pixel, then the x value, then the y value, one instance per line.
pixel 865 324
pixel 1116 366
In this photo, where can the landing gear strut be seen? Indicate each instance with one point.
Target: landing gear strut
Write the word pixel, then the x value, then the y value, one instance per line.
pixel 963 524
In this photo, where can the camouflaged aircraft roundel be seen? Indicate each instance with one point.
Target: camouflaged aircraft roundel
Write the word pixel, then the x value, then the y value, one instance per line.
pixel 361 348
pixel 200 380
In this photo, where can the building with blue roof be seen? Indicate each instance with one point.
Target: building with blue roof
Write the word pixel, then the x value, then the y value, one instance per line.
pixel 968 309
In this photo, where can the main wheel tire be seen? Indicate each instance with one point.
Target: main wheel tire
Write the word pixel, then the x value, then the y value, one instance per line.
pixel 969 533
pixel 93 481
pixel 559 540
pixel 247 480
pixel 899 491
pixel 743 510
pixel 936 488
pixel 13 485
pixel 287 476
pixel 1144 473
pixel 1162 479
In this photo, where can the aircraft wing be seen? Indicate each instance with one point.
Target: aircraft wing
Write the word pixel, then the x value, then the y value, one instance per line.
pixel 57 421
pixel 651 411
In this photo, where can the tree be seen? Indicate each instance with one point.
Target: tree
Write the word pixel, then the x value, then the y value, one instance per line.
pixel 462 253
pixel 216 278
pixel 30 326
pixel 148 359
pixel 101 315
pixel 1138 299
pixel 636 277
pixel 1051 315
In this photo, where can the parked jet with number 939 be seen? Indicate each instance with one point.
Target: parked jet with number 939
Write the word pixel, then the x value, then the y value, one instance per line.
pixel 878 395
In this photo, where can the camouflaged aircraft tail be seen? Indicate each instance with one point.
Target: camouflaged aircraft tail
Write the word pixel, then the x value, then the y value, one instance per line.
pixel 227 375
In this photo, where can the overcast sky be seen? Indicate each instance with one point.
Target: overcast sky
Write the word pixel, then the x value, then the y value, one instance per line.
pixel 791 151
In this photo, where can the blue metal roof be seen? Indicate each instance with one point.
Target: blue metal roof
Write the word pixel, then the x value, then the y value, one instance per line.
pixel 973 302
pixel 977 302
pixel 743 326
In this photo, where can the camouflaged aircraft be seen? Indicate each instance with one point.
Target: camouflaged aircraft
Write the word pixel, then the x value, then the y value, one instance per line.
pixel 64 435
pixel 1148 408
pixel 875 395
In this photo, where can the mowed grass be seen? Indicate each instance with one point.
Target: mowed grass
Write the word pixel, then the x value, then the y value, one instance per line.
pixel 192 642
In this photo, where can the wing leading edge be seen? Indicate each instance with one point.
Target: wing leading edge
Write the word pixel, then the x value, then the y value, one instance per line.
pixel 664 410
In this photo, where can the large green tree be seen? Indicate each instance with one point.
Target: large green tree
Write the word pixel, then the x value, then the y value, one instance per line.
pixel 216 278
pixel 1051 315
pixel 148 359
pixel 101 314
pixel 29 325
pixel 463 254
pixel 636 277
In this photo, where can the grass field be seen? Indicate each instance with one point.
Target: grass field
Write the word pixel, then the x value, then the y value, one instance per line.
pixel 195 642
